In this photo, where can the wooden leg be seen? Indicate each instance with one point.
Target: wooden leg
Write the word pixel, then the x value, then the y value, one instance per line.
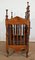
pixel 27 53
pixel 27 50
pixel 7 49
pixel 7 53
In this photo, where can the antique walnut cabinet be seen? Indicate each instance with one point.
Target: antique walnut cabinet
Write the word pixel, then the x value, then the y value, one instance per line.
pixel 18 31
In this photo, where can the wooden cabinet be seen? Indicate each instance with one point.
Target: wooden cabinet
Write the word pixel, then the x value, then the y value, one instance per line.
pixel 17 33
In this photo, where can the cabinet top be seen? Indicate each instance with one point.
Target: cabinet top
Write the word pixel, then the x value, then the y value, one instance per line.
pixel 17 20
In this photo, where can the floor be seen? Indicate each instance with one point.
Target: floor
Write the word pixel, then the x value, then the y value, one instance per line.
pixel 16 56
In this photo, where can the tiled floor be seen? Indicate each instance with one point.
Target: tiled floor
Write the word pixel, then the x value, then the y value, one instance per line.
pixel 16 56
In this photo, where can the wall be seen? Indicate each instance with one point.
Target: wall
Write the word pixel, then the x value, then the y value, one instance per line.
pixel 18 7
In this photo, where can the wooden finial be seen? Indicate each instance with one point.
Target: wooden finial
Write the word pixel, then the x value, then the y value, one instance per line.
pixel 28 7
pixel 27 13
pixel 11 14
pixel 6 13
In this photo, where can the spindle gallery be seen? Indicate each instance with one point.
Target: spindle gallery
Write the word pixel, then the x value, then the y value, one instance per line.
pixel 18 32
